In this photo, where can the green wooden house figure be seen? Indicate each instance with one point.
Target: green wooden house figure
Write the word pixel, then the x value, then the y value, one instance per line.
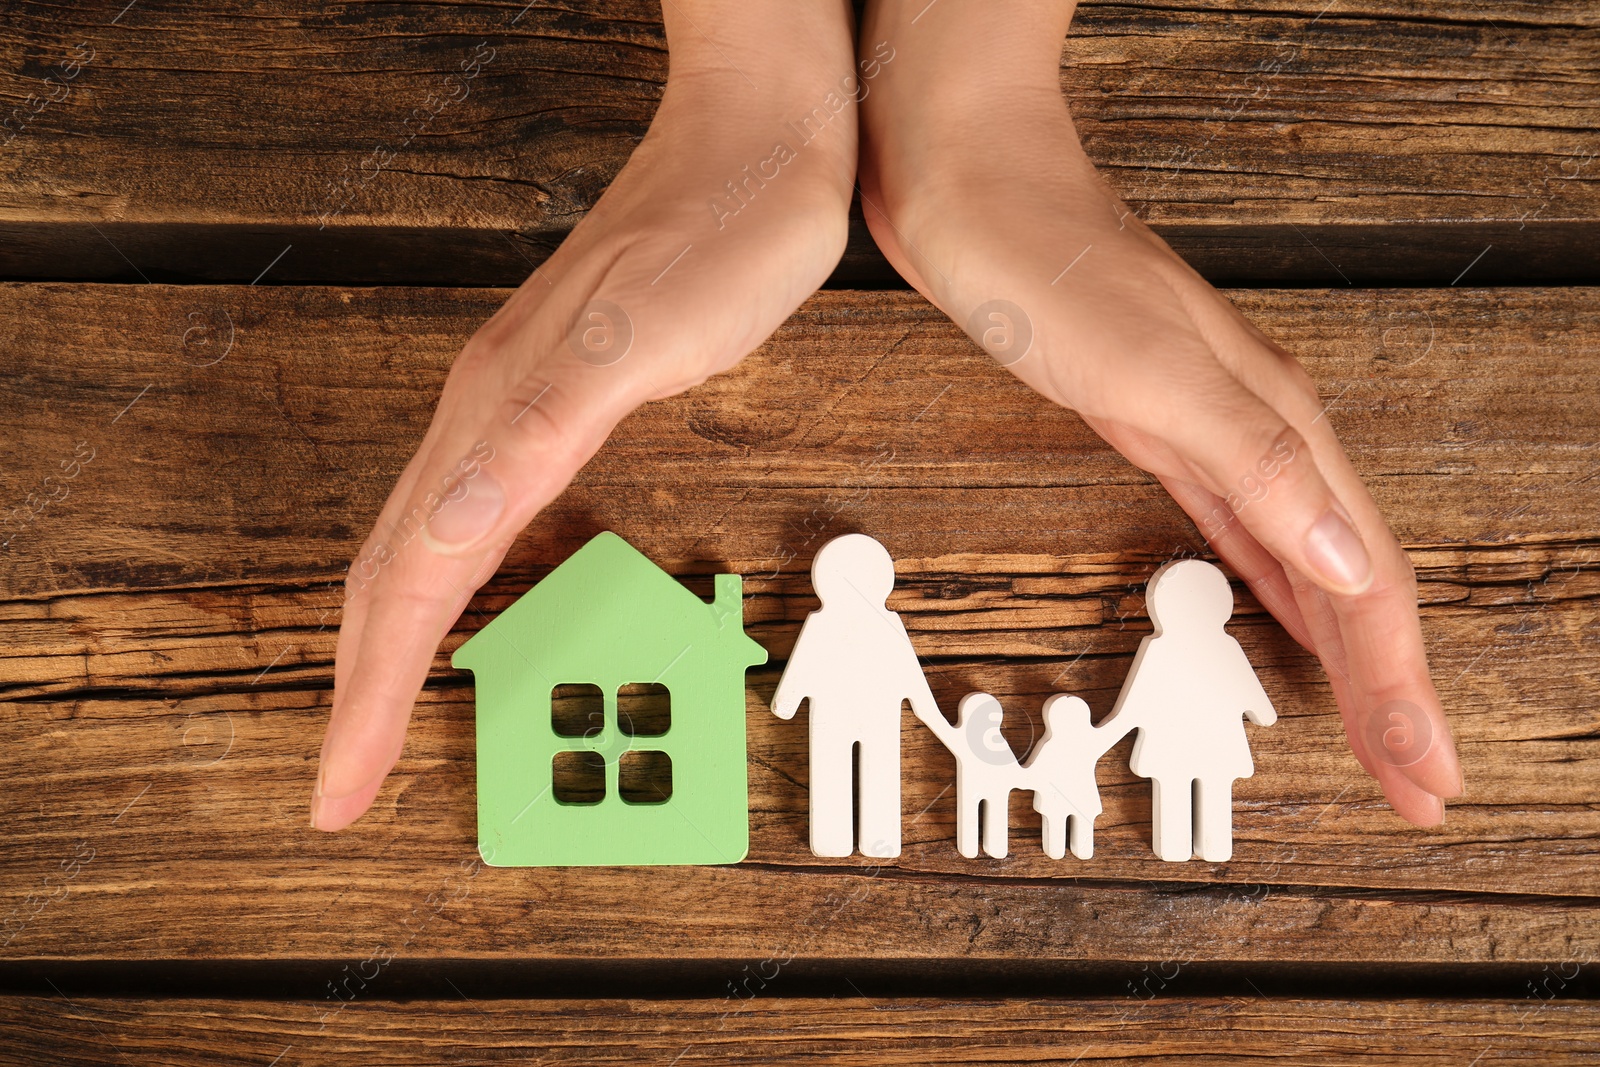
pixel 611 717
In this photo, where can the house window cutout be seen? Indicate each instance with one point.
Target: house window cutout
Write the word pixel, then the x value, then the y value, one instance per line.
pixel 644 709
pixel 645 777
pixel 577 709
pixel 578 777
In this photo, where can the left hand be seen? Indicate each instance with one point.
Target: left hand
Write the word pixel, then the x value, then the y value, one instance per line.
pixel 1025 239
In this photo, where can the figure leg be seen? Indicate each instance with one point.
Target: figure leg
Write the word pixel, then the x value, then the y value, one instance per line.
pixel 879 795
pixel 966 820
pixel 1172 819
pixel 1082 836
pixel 1053 831
pixel 996 815
pixel 831 793
pixel 1214 821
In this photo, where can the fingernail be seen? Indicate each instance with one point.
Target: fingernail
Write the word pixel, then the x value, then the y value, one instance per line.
pixel 465 521
pixel 1426 776
pixel 1435 811
pixel 1337 555
pixel 316 798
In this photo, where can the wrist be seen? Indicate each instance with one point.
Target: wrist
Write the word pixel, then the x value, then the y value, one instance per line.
pixel 757 54
pixel 965 53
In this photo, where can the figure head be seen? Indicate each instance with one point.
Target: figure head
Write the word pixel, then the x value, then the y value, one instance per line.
pixel 1190 594
pixel 978 717
pixel 853 568
pixel 1066 714
pixel 979 709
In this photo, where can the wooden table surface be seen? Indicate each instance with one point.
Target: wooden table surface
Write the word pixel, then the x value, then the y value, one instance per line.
pixel 211 290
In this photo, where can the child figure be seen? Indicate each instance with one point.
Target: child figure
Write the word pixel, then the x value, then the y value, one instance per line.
pixel 855 665
pixel 1188 687
pixel 1060 771
pixel 986 773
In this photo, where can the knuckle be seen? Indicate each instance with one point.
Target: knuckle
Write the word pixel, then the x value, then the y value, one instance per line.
pixel 1395 578
pixel 532 420
pixel 373 554
pixel 1405 573
pixel 1302 388
pixel 1298 376
pixel 476 357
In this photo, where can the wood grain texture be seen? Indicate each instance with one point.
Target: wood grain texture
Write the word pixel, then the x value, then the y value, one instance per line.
pixel 1283 142
pixel 170 607
pixel 169 634
pixel 291 412
pixel 1207 1032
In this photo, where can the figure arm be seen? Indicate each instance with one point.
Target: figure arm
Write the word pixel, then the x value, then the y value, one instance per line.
pixel 1128 713
pixel 923 706
pixel 792 686
pixel 927 711
pixel 1257 705
pixel 1108 733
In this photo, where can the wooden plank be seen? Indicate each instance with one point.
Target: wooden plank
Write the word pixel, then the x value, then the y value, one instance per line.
pixel 169 637
pixel 1207 1032
pixel 237 763
pixel 193 640
pixel 1234 162
pixel 1286 142
pixel 1464 410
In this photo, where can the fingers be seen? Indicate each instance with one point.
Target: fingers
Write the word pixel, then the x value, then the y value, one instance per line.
pixel 1303 609
pixel 495 457
pixel 527 403
pixel 1322 620
pixel 1397 711
pixel 1410 801
pixel 499 330
pixel 1352 587
pixel 1392 706
pixel 408 613
pixel 1263 469
pixel 1387 741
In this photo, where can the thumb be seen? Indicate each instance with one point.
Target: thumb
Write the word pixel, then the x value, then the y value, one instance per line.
pixel 495 457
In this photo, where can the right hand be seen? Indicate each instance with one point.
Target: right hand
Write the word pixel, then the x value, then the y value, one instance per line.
pixel 540 386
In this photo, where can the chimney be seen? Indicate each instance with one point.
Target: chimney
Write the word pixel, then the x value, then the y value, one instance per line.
pixel 729 600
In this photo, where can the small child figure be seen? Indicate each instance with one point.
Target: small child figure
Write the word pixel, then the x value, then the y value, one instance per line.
pixel 1060 771
pixel 986 773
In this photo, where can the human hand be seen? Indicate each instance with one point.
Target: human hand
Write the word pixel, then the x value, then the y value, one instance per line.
pixel 667 281
pixel 975 186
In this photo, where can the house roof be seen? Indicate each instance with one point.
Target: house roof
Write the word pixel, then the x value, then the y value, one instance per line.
pixel 604 591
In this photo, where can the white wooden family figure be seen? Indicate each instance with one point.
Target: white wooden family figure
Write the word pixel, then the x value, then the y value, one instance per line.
pixel 1186 693
pixel 855 664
